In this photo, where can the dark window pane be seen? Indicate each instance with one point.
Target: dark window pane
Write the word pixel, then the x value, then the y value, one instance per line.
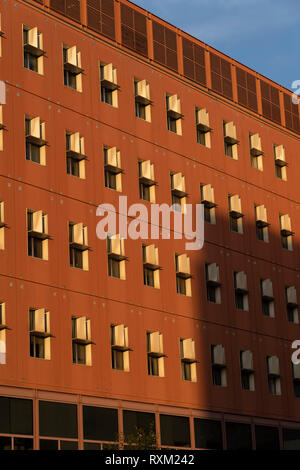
pixel 21 420
pixel 22 443
pixel 91 446
pixel 208 434
pixel 175 431
pixel 5 443
pixel 134 420
pixel 238 436
pixel 267 437
pixel 68 445
pixel 100 423
pixel 291 439
pixel 58 419
pixel 48 444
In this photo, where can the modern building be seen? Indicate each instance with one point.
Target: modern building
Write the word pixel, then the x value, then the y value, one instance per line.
pixel 103 99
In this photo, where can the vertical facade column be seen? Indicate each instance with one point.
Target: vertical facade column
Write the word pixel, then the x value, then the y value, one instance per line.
pixel 234 83
pixel 258 92
pixel 118 22
pixel 179 54
pixel 83 12
pixel 36 432
pixel 207 68
pixel 282 112
pixel 192 432
pixel 80 423
pixel 150 37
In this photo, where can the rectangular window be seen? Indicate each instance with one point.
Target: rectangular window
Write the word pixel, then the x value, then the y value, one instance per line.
pixel 175 431
pixel 75 155
pixel 183 275
pixel 33 50
pixel 238 436
pixel 116 257
pixel 72 68
pixel 256 153
pixel 119 347
pixel 100 424
pixel 39 333
pixel 208 434
pixel 37 234
pixel 174 116
pixel 58 419
pixel 81 341
pixel 78 246
pixel 142 100
pixel 112 168
pixel 108 84
pixel 213 289
pixel 155 355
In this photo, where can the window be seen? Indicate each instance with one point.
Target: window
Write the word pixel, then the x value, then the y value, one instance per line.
pixel 286 234
pixel 203 128
pixel 175 431
pixel 2 226
pixel 247 374
pixel 119 347
pixel 208 200
pixel 280 163
pixel 37 233
pixel 188 361
pixel 112 168
pixel 208 434
pixel 267 438
pixel 3 328
pixel 238 436
pixel 296 379
pixel 146 180
pixel 267 298
pixel 241 291
pixel 178 193
pixel 100 424
pixel 213 289
pixel 142 100
pixel 235 213
pixel 261 220
pixel 39 333
pixel 78 246
pixel 174 116
pixel 33 50
pixel 16 416
pixel 256 152
pixel 72 68
pixel 75 154
pixel 109 85
pixel 155 354
pixel 291 304
pixel 116 257
pixel 150 266
pixel 291 439
pixel 137 421
pixel 230 140
pixel 218 365
pixel 35 140
pixel 81 341
pixel 273 375
pixel 58 420
pixel 183 275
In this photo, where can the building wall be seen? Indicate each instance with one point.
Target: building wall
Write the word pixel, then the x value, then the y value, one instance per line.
pixel 64 291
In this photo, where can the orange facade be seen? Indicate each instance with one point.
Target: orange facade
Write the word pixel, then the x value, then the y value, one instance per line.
pixel 65 292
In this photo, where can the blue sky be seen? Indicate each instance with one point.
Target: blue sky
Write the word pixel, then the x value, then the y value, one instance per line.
pixel 262 34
